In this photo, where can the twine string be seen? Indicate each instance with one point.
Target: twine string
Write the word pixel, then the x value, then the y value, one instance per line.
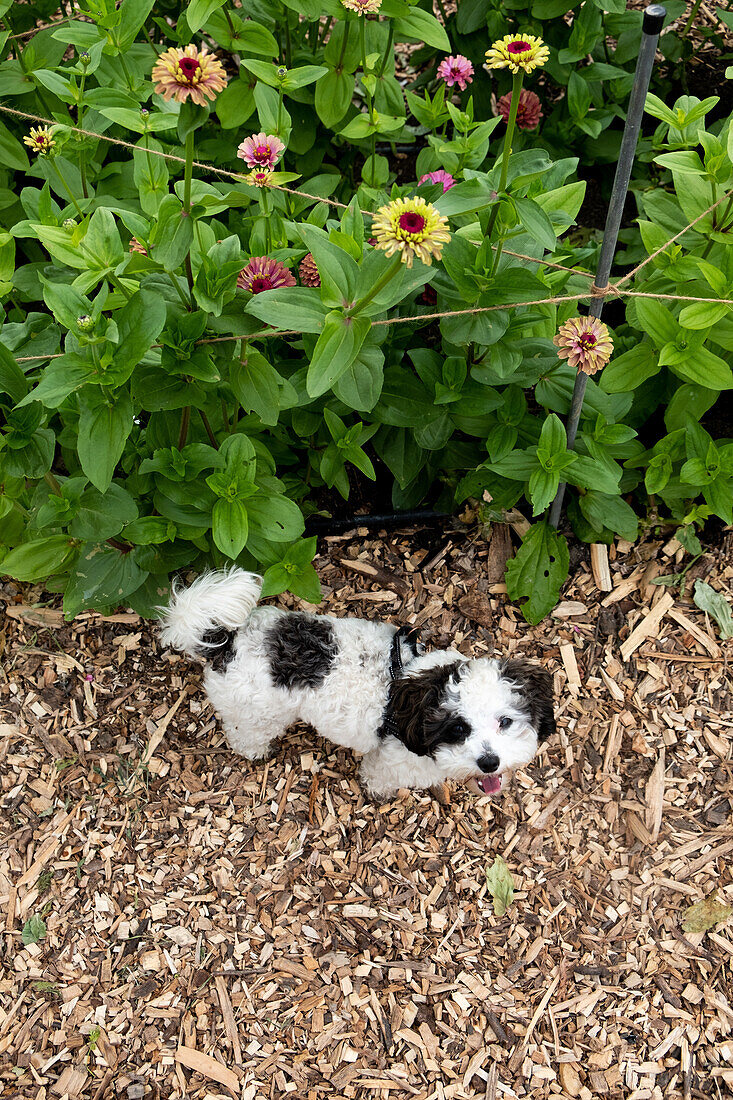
pixel 594 291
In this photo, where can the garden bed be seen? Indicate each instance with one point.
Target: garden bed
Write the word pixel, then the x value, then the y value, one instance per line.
pixel 218 929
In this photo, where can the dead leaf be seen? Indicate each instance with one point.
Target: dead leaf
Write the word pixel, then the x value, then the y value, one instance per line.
pixel 705 914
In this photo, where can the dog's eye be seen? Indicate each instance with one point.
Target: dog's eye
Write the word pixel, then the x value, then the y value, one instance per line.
pixel 505 723
pixel 459 729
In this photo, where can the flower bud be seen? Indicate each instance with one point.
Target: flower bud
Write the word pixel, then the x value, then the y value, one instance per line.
pixel 85 323
pixel 69 224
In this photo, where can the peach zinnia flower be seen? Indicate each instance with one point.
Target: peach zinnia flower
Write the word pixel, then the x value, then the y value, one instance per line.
pixel 363 7
pixel 39 140
pixel 189 73
pixel 411 227
pixel 585 343
pixel 456 69
pixel 529 111
pixel 261 151
pixel 517 51
pixel 440 176
pixel 263 273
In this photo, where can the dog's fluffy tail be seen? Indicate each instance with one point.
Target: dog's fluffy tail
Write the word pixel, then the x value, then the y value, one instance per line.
pixel 197 618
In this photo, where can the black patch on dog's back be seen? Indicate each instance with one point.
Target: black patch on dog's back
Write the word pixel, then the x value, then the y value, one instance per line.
pixel 535 684
pixel 301 650
pixel 219 649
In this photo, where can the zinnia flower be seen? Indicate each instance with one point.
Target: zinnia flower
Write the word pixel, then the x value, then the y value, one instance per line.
pixel 439 177
pixel 180 74
pixel 259 178
pixel 456 70
pixel 529 111
pixel 308 271
pixel 411 227
pixel 261 151
pixel 39 140
pixel 517 51
pixel 262 273
pixel 585 342
pixel 363 7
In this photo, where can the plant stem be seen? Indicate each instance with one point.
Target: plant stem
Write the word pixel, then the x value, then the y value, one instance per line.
pixel 209 432
pixel 510 126
pixel 183 430
pixel 344 44
pixel 187 172
pixel 288 43
pixel 126 71
pixel 379 285
pixel 280 112
pixel 52 484
pixel 120 286
pixel 265 207
pixel 225 416
pixel 693 13
pixel 388 50
pixel 66 187
pixel 321 38
pixel 79 120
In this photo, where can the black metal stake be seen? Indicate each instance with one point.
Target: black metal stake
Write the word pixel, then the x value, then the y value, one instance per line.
pixel 652 24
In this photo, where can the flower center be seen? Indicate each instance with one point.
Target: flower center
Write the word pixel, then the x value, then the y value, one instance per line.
pixel 262 151
pixel 188 67
pixel 518 47
pixel 412 222
pixel 262 282
pixel 587 341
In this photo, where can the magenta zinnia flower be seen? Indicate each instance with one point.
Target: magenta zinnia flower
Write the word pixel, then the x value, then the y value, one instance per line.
pixel 263 273
pixel 529 111
pixel 261 151
pixel 189 73
pixel 456 70
pixel 585 342
pixel 439 177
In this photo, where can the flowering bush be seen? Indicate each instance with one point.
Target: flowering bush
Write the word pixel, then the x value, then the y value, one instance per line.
pixel 219 285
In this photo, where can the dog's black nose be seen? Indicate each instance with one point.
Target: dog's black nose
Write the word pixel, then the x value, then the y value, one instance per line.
pixel 488 763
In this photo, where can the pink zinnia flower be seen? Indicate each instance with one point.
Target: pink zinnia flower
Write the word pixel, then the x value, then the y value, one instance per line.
pixel 189 73
pixel 261 151
pixel 585 343
pixel 456 70
pixel 439 177
pixel 529 111
pixel 262 273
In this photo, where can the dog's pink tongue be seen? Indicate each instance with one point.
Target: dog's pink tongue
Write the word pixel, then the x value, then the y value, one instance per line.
pixel 490 783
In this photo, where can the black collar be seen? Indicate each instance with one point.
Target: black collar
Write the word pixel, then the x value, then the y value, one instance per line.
pixel 406 634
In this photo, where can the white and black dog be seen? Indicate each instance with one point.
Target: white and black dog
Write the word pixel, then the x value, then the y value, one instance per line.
pixel 418 718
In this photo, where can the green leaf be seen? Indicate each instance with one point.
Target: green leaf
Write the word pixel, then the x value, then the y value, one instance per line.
pixel 715 603
pixel 630 370
pixel 337 348
pixel 256 385
pixel 34 930
pixel 535 222
pixel 500 885
pixel 604 510
pixel 198 11
pixel 553 440
pixel 103 432
pixel 62 377
pixel 39 559
pixel 704 368
pixel 542 489
pixel 274 517
pixel 150 175
pixel 172 235
pixel 230 527
pixel 333 97
pixel 422 27
pixel 705 914
pixel 102 515
pixel 297 307
pixel 102 577
pixel 139 323
pixel 12 380
pixel 702 314
pixel 12 153
pixel 538 571
pixel 339 271
pixel 655 318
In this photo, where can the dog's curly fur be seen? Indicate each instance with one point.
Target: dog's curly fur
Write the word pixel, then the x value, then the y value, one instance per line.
pixel 417 718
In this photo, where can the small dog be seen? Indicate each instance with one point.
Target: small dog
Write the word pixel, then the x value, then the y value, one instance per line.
pixel 417 718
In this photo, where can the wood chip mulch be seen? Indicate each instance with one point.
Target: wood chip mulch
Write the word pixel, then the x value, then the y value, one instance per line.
pixel 216 929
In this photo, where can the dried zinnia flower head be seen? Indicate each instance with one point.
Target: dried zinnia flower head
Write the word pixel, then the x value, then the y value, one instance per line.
pixel 309 272
pixel 439 176
pixel 188 74
pixel 411 227
pixel 363 7
pixel 39 140
pixel 261 151
pixel 263 273
pixel 529 111
pixel 517 51
pixel 456 69
pixel 136 246
pixel 585 342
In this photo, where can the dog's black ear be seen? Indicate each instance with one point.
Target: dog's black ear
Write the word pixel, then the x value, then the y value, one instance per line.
pixel 415 711
pixel 535 685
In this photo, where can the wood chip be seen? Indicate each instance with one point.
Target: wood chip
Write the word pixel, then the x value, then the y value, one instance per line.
pixel 208 1067
pixel 600 567
pixel 648 627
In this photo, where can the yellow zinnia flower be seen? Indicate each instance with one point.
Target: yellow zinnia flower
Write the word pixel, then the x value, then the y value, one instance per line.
pixel 39 140
pixel 189 73
pixel 411 227
pixel 517 51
